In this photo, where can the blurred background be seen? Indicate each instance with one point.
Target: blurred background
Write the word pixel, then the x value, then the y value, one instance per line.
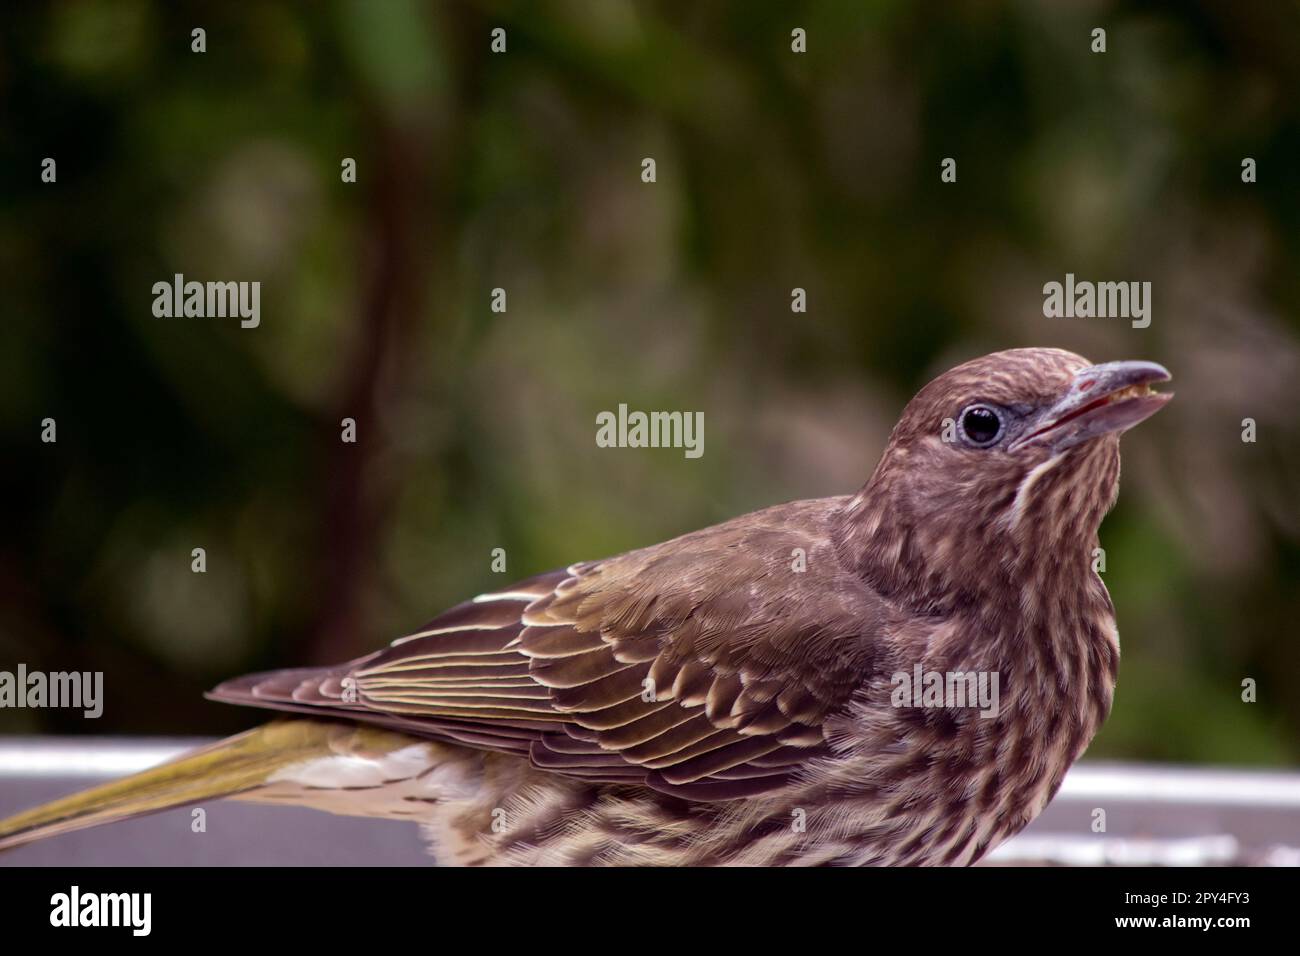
pixel 522 171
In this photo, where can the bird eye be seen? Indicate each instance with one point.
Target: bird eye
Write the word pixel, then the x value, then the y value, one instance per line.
pixel 981 424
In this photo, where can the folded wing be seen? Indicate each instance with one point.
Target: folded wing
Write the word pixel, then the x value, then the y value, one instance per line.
pixel 704 667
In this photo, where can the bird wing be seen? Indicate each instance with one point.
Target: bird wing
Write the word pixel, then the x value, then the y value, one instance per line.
pixel 705 667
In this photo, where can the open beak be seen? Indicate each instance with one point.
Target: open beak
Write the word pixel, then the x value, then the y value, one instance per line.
pixel 1102 399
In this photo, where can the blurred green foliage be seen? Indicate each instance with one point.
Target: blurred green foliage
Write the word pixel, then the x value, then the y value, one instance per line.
pixel 522 171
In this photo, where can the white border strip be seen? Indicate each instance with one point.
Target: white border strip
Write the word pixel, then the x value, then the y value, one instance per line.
pixel 38 757
pixel 1145 783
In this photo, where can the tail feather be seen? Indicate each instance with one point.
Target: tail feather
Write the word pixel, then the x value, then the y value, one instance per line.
pixel 229 767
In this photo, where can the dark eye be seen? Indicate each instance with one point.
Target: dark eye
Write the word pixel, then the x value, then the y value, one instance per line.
pixel 981 424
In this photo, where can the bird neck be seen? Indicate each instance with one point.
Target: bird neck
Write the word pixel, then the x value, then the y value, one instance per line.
pixel 934 553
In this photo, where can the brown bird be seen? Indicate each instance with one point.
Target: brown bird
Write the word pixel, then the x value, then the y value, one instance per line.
pixel 759 692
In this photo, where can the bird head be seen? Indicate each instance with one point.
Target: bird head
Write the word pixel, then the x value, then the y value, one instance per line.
pixel 1006 458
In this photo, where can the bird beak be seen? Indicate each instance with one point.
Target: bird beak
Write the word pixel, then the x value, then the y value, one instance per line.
pixel 1102 399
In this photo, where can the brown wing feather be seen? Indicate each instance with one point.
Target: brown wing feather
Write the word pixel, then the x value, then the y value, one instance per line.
pixel 704 667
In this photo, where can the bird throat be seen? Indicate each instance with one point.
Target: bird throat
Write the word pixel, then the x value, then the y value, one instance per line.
pixel 932 549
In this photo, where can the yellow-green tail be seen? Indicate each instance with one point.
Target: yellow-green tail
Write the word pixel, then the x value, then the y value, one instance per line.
pixel 228 767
